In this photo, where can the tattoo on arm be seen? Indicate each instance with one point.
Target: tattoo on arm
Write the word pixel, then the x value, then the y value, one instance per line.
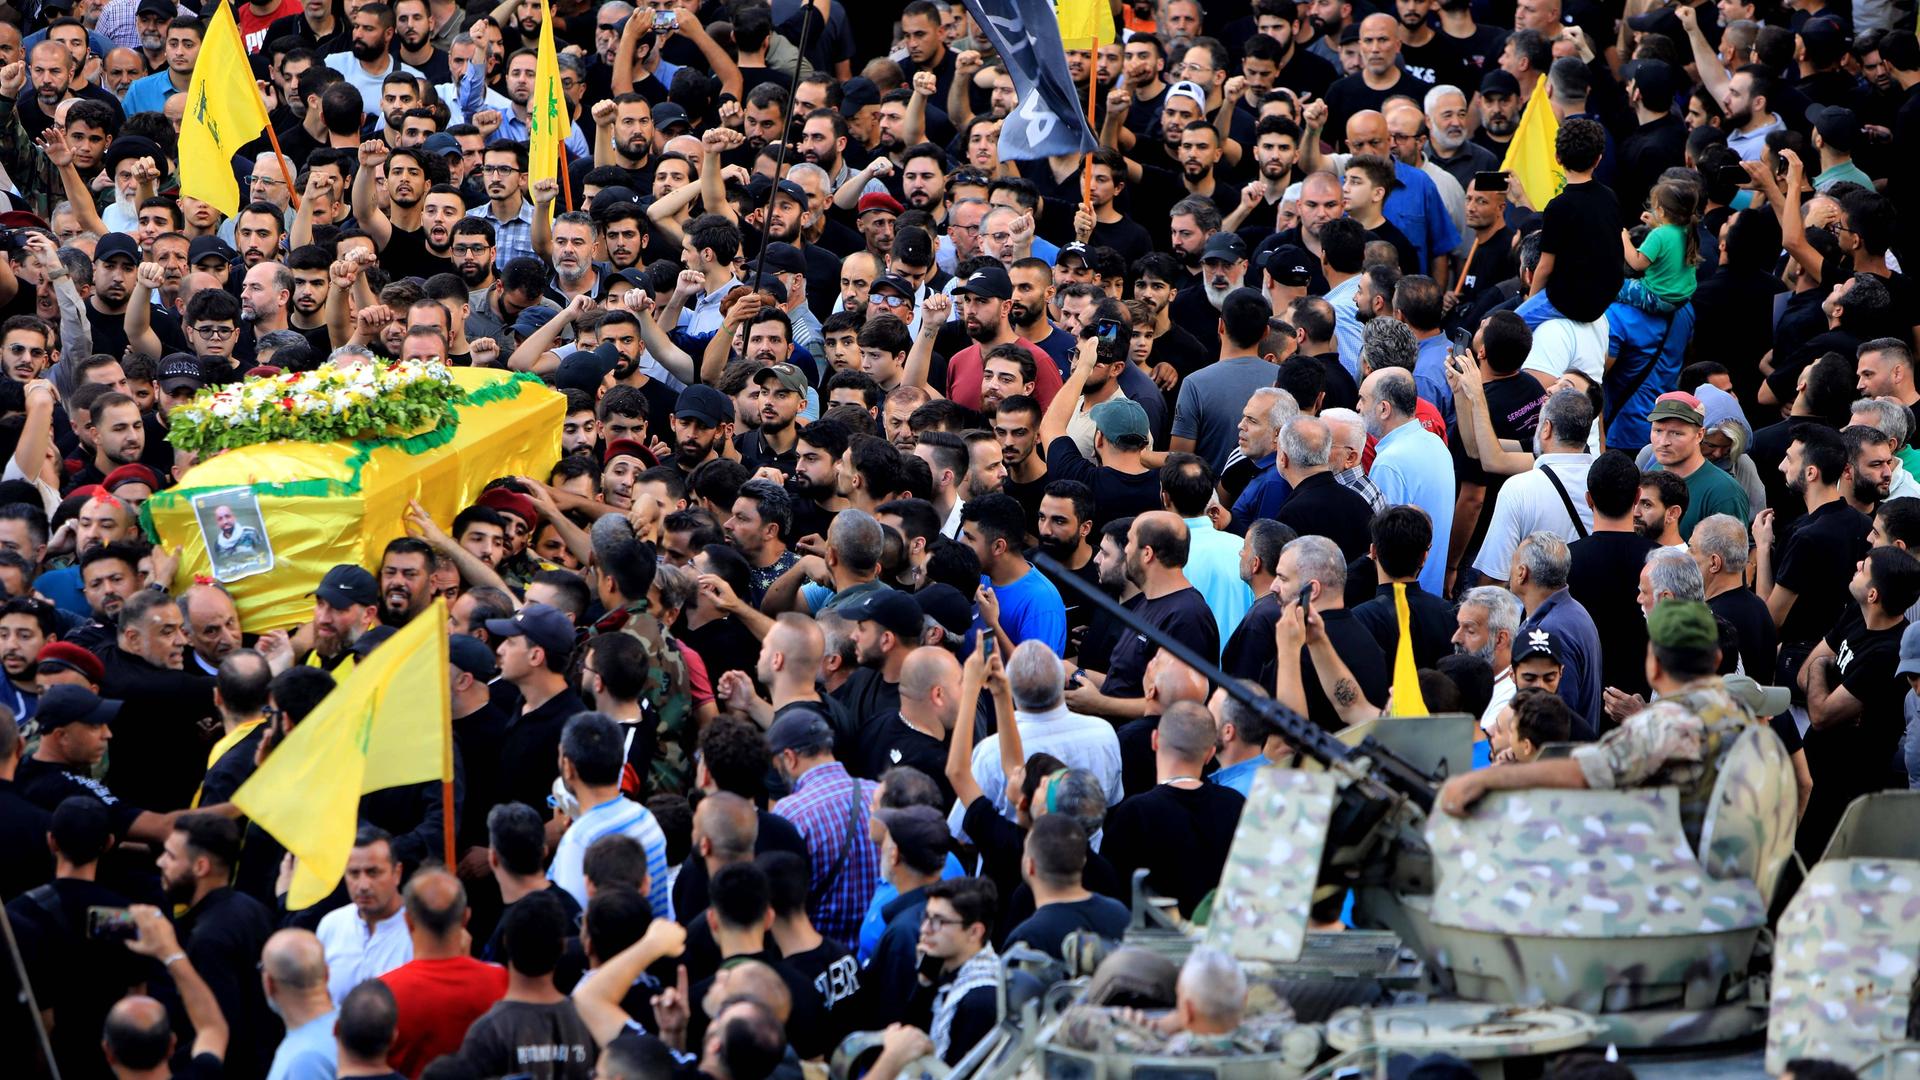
pixel 1345 693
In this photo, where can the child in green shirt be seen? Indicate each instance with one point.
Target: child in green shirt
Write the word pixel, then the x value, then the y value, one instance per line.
pixel 1666 259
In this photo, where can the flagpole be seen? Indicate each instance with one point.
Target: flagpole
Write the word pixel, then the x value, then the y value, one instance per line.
pixel 566 187
pixel 1464 267
pixel 1086 166
pixel 292 177
pixel 447 823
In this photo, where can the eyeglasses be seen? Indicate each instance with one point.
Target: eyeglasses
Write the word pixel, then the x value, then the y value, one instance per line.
pixel 1001 237
pixel 471 249
pixel 215 333
pixel 941 921
pixel 499 170
pixel 22 350
pixel 263 178
pixel 890 301
pixel 952 228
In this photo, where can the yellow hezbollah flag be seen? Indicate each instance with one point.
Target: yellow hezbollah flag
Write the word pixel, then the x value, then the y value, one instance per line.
pixel 388 724
pixel 1530 155
pixel 1084 24
pixel 1407 699
pixel 547 122
pixel 224 113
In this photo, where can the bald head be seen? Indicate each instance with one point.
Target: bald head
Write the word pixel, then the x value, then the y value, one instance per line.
pixel 799 640
pixel 1186 733
pixel 1367 131
pixel 436 905
pixel 1170 681
pixel 755 979
pixel 728 825
pixel 926 669
pixel 294 960
pixel 137 1034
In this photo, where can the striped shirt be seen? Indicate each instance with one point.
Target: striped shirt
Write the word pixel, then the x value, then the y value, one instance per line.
pixel 617 816
pixel 819 808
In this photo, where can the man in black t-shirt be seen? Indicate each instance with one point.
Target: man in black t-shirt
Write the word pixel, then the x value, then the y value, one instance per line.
pixel 1053 867
pixel 1854 695
pixel 1180 829
pixel 1156 560
pixel 1583 219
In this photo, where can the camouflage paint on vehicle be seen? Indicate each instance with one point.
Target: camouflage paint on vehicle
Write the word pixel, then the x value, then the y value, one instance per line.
pixel 1260 907
pixel 1846 957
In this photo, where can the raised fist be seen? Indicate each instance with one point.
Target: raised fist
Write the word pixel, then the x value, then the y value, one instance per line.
pixel 13 79
pixel 924 83
pixel 150 274
pixel 966 63
pixel 719 140
pixel 488 121
pixel 604 112
pixel 373 153
pixel 544 190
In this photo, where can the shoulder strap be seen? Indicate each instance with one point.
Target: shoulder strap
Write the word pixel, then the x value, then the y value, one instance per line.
pixel 47 899
pixel 1566 500
pixel 853 834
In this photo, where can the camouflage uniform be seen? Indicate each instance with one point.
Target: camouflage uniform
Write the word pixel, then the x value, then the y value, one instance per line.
pixel 518 571
pixel 1678 741
pixel 1093 1027
pixel 666 699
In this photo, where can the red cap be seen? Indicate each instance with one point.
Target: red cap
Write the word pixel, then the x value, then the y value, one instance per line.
pixel 878 200
pixel 511 502
pixel 131 474
pixel 22 219
pixel 66 654
pixel 89 491
pixel 628 448
pixel 259 370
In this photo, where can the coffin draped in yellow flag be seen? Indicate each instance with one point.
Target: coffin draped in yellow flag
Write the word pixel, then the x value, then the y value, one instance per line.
pixel 547 120
pixel 1407 699
pixel 224 113
pixel 1530 155
pixel 388 724
pixel 1084 24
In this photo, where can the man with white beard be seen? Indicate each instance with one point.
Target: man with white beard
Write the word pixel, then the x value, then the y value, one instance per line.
pixel 1223 268
pixel 1449 137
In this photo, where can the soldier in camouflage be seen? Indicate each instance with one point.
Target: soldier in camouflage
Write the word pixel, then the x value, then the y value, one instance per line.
pixel 1208 1018
pixel 1678 740
pixel 522 514
pixel 627 569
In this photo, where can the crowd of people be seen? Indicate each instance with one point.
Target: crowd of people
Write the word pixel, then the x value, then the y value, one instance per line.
pixel 782 706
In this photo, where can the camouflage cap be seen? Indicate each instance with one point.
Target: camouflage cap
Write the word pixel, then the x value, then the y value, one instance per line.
pixel 1683 624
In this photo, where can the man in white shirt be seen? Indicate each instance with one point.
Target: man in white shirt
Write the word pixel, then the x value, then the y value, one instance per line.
pixel 369 937
pixel 1485 623
pixel 1540 500
pixel 1046 725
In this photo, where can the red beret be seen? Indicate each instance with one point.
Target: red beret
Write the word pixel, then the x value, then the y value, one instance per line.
pixel 878 200
pixel 511 502
pixel 131 474
pixel 74 657
pixel 628 448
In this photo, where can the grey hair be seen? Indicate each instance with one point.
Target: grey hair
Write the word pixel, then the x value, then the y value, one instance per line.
pixel 838 630
pixel 1388 343
pixel 1318 559
pixel 1282 407
pixel 356 352
pixel 1675 573
pixel 1307 442
pixel 1346 418
pixel 1268 538
pixel 1571 414
pixel 1890 418
pixel 1432 100
pixel 1725 536
pixel 1547 560
pixel 616 7
pixel 275 340
pixel 1249 726
pixel 806 168
pixel 1212 982
pixel 677 586
pixel 1036 675
pixel 1078 794
pixel 856 536
pixel 1502 608
pixel 75 262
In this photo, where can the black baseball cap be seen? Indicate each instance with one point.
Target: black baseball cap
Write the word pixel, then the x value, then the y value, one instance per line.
pixel 1499 83
pixel 894 610
pixel 65 703
pixel 206 247
pixel 667 114
pixel 989 281
pixel 116 243
pixel 782 258
pixel 857 94
pixel 347 585
pixel 704 404
pixel 1838 125
pixel 1224 247
pixel 799 727
pixel 471 655
pixel 1288 264
pixel 542 624
pixel 181 371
